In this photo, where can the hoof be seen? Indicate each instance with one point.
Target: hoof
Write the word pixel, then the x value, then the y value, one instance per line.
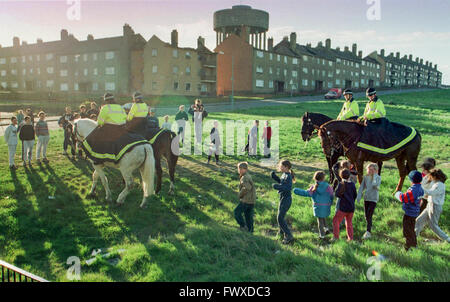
pixel 91 196
pixel 143 205
pixel 171 192
pixel 109 200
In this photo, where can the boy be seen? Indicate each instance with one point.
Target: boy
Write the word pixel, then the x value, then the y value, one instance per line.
pixel 43 137
pixel 247 198
pixel 181 118
pixel 64 122
pixel 83 112
pixel 371 184
pixel 26 135
pixel 166 124
pixel 11 140
pixel 411 206
pixel 253 139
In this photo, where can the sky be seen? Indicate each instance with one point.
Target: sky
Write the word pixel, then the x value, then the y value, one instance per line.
pixel 417 27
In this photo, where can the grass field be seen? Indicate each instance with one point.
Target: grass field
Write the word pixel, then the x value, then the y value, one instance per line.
pixel 192 236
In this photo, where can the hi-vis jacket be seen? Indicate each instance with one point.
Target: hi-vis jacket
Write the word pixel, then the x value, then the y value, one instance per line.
pixel 137 110
pixel 349 109
pixel 374 110
pixel 112 114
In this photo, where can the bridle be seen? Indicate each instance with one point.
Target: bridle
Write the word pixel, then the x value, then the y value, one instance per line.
pixel 309 125
pixel 77 135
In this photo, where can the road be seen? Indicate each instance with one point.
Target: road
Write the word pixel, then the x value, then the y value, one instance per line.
pixel 240 105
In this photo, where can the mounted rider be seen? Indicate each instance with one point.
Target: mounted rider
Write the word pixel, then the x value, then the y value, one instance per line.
pixel 136 119
pixel 374 108
pixel 111 113
pixel 350 109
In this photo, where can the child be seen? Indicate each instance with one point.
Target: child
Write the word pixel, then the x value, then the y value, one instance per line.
pixel 341 165
pixel 322 196
pixel 266 136
pixel 26 135
pixel 436 198
pixel 11 141
pixel 181 117
pixel 253 139
pixel 43 137
pixel 371 184
pixel 83 111
pixel 428 164
pixel 20 117
pixel 346 193
pixel 166 124
pixel 411 206
pixel 247 198
pixel 215 143
pixel 64 122
pixel 284 187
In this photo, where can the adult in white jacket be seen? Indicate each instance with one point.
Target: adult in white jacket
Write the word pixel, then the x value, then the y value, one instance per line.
pixel 436 198
pixel 11 141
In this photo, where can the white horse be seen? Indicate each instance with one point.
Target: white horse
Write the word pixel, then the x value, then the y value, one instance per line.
pixel 140 157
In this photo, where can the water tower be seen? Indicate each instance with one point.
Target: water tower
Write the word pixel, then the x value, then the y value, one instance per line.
pixel 242 20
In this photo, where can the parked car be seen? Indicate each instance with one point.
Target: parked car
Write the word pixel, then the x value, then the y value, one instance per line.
pixel 334 94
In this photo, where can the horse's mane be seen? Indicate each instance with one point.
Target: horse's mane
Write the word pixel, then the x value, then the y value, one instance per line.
pixel 350 128
pixel 316 115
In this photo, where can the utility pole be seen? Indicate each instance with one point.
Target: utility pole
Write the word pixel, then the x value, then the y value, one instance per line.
pixel 232 81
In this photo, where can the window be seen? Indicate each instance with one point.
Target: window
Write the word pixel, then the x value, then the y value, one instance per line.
pixel 76 87
pixel 38 58
pixel 175 85
pixel 285 72
pixel 85 71
pixel 188 55
pixel 305 70
pixel 63 59
pixel 49 83
pixel 14 85
pixel 49 56
pixel 64 87
pixel 13 60
pixel 270 70
pixel 85 57
pixel 271 56
pixel 154 52
pixel 285 60
pixel 188 86
pixel 330 63
pixel 175 69
pixel 295 61
pixel 96 71
pixel 188 70
pixel 278 58
pixel 338 82
pixel 351 63
pixel 330 84
pixel 323 73
pixel 94 86
pixel 38 70
pixel 76 58
pixel 305 82
pixel 357 74
pixel 323 61
pixel 362 81
pixel 154 85
pixel 110 86
pixel 259 54
pixel 3 73
pixel 94 56
pixel 4 85
pixel 305 58
pixel 260 83
pixel 175 53
pixel 24 71
pixel 49 69
pixel 259 69
pixel 204 88
pixel 330 74
pixel 109 55
pixel 356 84
pixel 63 72
pixel 2 60
pixel 363 63
pixel 278 71
pixel 357 65
pixel 270 84
pixel 294 73
pixel 24 59
pixel 338 71
pixel 154 68
pixel 110 71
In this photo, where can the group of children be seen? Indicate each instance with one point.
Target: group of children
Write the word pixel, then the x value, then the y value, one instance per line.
pixel 426 187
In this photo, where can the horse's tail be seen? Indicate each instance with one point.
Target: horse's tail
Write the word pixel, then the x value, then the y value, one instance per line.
pixel 173 156
pixel 147 170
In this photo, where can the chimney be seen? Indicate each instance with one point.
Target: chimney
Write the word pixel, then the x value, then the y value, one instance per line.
pixel 410 57
pixel 64 34
pixel 421 61
pixel 398 55
pixel 127 30
pixel 382 53
pixel 391 54
pixel 405 57
pixel 39 41
pixel 285 38
pixel 354 49
pixel 426 64
pixel 435 66
pixel 24 43
pixel 308 45
pixel 270 44
pixel 200 42
pixel 174 38
pixel 90 37
pixel 417 59
pixel 16 42
pixel 328 43
pixel 338 48
pixel 320 44
pixel 360 53
pixel 346 48
pixel 293 40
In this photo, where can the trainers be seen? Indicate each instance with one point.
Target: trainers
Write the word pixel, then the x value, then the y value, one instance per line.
pixel 38 161
pixel 288 240
pixel 366 235
pixel 243 228
pixel 327 231
pixel 45 160
pixel 29 163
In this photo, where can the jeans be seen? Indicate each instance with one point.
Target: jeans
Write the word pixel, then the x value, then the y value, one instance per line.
pixel 27 150
pixel 247 210
pixel 369 208
pixel 42 144
pixel 431 216
pixel 283 208
pixel 409 224
pixel 12 152
pixel 348 224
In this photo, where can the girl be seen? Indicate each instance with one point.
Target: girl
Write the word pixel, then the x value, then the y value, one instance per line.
pixel 428 164
pixel 215 143
pixel 322 196
pixel 371 184
pixel 166 124
pixel 284 187
pixel 43 136
pixel 436 198
pixel 346 193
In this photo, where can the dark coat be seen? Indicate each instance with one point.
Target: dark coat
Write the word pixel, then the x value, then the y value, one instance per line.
pixel 283 185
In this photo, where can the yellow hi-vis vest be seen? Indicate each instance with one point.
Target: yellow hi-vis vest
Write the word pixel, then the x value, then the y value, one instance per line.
pixel 112 114
pixel 349 109
pixel 374 110
pixel 137 110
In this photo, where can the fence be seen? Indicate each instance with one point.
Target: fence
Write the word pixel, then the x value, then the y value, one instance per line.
pixel 10 273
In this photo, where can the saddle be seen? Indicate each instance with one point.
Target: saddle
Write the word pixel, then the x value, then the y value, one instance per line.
pixel 382 137
pixel 151 134
pixel 110 142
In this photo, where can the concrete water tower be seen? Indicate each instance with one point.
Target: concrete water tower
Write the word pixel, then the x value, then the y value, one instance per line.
pixel 242 20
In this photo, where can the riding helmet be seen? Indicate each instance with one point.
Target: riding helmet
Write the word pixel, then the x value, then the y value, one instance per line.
pixel 348 91
pixel 108 97
pixel 370 91
pixel 137 96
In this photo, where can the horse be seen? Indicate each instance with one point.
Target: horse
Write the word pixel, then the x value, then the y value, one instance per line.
pixel 162 146
pixel 141 156
pixel 348 133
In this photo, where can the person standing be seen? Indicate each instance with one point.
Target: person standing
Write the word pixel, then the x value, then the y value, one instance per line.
pixel 166 125
pixel 198 119
pixel 93 110
pixel 253 139
pixel 43 138
pixel 152 120
pixel 428 165
pixel 247 199
pixel 27 135
pixel 11 141
pixel 136 119
pixel 266 136
pixel 411 207
pixel 436 197
pixel 371 184
pixel 83 112
pixel 64 122
pixel 350 109
pixel 181 118
pixel 346 193
pixel 215 143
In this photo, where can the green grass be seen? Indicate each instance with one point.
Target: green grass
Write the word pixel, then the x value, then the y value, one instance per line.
pixel 192 236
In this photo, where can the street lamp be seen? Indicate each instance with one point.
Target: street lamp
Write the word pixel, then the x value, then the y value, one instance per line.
pixel 232 79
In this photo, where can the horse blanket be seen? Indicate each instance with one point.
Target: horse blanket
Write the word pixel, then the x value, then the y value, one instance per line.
pixel 382 137
pixel 110 142
pixel 151 134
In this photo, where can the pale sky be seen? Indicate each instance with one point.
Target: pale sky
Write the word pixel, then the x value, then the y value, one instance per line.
pixel 417 27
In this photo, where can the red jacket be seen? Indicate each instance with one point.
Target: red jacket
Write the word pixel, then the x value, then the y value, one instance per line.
pixel 267 132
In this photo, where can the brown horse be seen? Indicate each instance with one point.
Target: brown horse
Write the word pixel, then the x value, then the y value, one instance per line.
pixel 348 133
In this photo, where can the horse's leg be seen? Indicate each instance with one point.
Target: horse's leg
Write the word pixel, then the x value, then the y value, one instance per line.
pixel 402 170
pixel 128 177
pixel 148 177
pixel 158 173
pixel 330 170
pixel 94 183
pixel 104 180
pixel 360 169
pixel 380 165
pixel 172 163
